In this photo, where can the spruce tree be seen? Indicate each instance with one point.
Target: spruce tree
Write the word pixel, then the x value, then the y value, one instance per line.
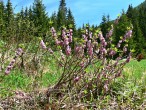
pixel 2 22
pixel 70 20
pixel 142 20
pixel 105 24
pixel 9 13
pixel 138 39
pixel 9 22
pixel 61 15
pixel 53 19
pixel 40 18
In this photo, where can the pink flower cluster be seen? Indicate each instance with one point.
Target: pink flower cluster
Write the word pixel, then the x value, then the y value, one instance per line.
pixel 127 35
pixel 90 48
pixel 42 44
pixel 65 40
pixel 18 52
pixel 109 34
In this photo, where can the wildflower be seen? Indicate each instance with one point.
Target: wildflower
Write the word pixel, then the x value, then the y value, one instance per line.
pixel 85 38
pixel 9 67
pixel 118 45
pixel 90 51
pixel 112 53
pixel 70 39
pixel 125 49
pixel 54 34
pixel 128 59
pixel 76 79
pixel 7 71
pixel 129 33
pixel 50 50
pixel 100 36
pixel 19 52
pixel 43 44
pixel 68 50
pixel 90 35
pixel 89 44
pixel 66 41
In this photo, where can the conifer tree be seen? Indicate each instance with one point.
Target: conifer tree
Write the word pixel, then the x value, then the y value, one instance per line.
pixel 70 20
pixel 138 39
pixel 105 24
pixel 142 20
pixel 9 21
pixel 2 22
pixel 40 18
pixel 121 27
pixel 9 13
pixel 53 19
pixel 61 15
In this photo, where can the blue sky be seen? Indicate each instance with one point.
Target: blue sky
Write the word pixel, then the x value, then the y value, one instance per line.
pixel 84 11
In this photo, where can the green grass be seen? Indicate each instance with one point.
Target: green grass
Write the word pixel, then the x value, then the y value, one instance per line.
pixel 134 80
pixel 135 68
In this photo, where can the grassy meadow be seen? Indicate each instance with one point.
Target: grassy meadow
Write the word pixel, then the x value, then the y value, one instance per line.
pixel 130 88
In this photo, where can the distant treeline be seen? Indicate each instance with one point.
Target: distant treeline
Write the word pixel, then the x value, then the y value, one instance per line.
pixel 33 21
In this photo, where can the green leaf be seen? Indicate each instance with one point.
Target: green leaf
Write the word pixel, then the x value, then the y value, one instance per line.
pixel 85 91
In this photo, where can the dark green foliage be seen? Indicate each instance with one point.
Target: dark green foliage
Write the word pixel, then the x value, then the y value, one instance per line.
pixel 9 16
pixel 105 24
pixel 53 20
pixel 121 28
pixel 70 20
pixel 34 22
pixel 2 15
pixel 61 15
pixel 40 18
pixel 137 16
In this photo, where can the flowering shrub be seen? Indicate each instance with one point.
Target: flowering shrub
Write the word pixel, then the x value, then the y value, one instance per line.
pixel 89 68
pixel 19 52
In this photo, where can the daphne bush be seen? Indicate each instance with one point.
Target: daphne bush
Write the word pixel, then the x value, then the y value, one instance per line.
pixel 88 67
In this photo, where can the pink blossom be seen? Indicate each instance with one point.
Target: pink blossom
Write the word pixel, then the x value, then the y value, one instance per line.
pixel 110 32
pixel 100 36
pixel 129 33
pixel 57 42
pixel 68 50
pixel 70 39
pixel 112 52
pixel 85 38
pixel 78 49
pixel 63 34
pixel 53 30
pixel 106 87
pixel 12 62
pixel 76 79
pixel 104 51
pixel 7 71
pixel 70 30
pixel 90 35
pixel 118 45
pixel 50 50
pixel 125 49
pixel 89 43
pixel 120 41
pixel 19 52
pixel 43 44
pixel 90 51
pixel 66 41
